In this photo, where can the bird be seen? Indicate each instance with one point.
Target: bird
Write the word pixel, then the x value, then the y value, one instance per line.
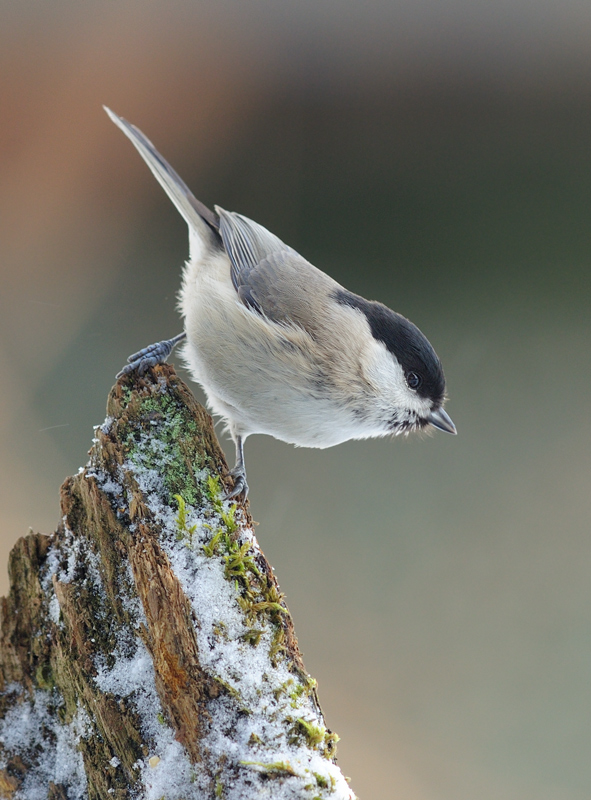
pixel 278 346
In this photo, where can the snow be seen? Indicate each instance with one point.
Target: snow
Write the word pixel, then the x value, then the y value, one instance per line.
pixel 54 610
pixel 254 744
pixel 127 675
pixel 30 726
pixel 257 721
pixel 132 677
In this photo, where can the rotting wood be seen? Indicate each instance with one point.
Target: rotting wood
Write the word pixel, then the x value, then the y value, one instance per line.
pixel 145 648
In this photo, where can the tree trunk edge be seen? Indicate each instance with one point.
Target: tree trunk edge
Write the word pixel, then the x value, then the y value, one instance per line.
pixel 111 584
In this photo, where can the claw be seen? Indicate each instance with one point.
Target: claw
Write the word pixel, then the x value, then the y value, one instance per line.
pixel 150 356
pixel 240 490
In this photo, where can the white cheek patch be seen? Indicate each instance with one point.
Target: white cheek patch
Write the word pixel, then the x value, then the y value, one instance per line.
pixel 386 374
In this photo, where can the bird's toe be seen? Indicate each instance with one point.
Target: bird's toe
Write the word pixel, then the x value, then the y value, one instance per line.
pixel 240 489
pixel 141 361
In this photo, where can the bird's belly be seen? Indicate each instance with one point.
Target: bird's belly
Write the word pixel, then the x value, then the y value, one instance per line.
pixel 262 377
pixel 266 390
pixel 252 401
pixel 305 422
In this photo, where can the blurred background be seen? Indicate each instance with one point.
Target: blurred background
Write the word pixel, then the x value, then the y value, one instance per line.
pixel 434 156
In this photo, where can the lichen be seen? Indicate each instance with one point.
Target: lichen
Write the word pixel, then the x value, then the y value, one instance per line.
pixel 147 529
pixel 159 434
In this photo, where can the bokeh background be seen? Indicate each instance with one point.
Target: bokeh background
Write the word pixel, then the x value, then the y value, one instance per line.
pixel 435 156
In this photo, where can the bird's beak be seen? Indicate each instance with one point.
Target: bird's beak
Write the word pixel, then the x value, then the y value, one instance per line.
pixel 441 419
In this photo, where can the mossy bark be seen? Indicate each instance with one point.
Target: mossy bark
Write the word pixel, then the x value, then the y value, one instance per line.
pixel 105 578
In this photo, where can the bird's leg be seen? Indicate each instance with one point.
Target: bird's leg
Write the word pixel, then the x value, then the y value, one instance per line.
pixel 239 472
pixel 150 356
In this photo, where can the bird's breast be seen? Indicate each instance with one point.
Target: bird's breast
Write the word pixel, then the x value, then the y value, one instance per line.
pixel 264 377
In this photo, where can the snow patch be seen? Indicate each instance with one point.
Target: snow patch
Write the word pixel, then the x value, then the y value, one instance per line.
pixel 31 730
pixel 257 733
pixel 266 736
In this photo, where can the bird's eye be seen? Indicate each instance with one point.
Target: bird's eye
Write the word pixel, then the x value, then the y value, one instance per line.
pixel 413 380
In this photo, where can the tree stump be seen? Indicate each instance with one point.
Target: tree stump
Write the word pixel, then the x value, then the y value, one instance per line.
pixel 146 650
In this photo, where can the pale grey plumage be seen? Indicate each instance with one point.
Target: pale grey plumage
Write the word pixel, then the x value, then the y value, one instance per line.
pixel 280 347
pixel 270 276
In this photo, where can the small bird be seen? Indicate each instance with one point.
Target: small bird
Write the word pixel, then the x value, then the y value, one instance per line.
pixel 281 348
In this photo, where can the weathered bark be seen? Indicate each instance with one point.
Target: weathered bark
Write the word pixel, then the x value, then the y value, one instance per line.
pixel 145 648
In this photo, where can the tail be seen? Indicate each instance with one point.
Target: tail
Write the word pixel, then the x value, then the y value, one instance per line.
pixel 192 210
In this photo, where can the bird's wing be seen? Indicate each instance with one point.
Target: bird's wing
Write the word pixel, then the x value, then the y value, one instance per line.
pixel 269 276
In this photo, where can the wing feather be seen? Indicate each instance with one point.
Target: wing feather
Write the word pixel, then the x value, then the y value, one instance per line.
pixel 269 276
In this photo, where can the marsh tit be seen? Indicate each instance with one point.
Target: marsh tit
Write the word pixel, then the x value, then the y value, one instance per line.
pixel 281 348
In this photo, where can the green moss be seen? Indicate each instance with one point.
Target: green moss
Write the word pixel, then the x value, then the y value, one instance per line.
pixel 315 736
pixel 235 694
pixel 183 531
pixel 253 636
pixel 215 496
pixel 277 767
pixel 312 734
pixel 283 688
pixel 44 676
pixel 325 783
pixel 219 787
pixel 330 744
pixel 228 518
pixel 223 539
pixel 258 596
pixel 221 629
pixel 229 689
pixel 321 781
pixel 238 562
pixel 270 602
pixel 211 548
pixel 300 690
pixel 214 492
pixel 277 644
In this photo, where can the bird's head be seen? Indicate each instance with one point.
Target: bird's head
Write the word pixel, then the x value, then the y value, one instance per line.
pixel 404 368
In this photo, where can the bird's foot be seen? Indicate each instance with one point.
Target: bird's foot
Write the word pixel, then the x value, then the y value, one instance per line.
pixel 240 490
pixel 150 356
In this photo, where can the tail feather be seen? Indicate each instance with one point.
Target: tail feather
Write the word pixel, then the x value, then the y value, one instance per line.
pixel 192 210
